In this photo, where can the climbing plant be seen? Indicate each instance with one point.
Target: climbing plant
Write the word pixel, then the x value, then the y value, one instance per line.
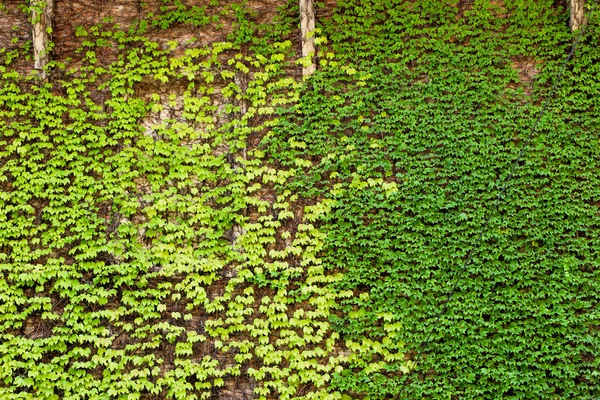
pixel 411 134
pixel 145 250
pixel 189 219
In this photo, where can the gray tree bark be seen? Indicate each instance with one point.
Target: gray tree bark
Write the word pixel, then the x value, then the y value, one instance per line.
pixel 42 12
pixel 577 14
pixel 307 28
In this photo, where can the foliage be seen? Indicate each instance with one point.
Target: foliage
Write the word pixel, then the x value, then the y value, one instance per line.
pixel 150 246
pixel 411 133
pixel 141 254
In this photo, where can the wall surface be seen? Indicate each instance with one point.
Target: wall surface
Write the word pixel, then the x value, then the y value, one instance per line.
pixel 70 15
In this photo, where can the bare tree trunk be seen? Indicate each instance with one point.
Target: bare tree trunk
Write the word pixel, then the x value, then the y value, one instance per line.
pixel 307 28
pixel 577 14
pixel 42 12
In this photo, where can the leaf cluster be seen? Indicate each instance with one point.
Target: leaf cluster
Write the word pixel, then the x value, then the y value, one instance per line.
pixel 409 135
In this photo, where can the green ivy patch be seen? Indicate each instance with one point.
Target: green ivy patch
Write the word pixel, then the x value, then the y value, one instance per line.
pixel 186 220
pixel 411 133
pixel 145 251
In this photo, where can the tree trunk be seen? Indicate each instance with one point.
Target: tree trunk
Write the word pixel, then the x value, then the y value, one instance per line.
pixel 577 14
pixel 41 16
pixel 307 28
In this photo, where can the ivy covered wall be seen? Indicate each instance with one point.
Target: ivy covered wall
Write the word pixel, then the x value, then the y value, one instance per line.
pixel 183 216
